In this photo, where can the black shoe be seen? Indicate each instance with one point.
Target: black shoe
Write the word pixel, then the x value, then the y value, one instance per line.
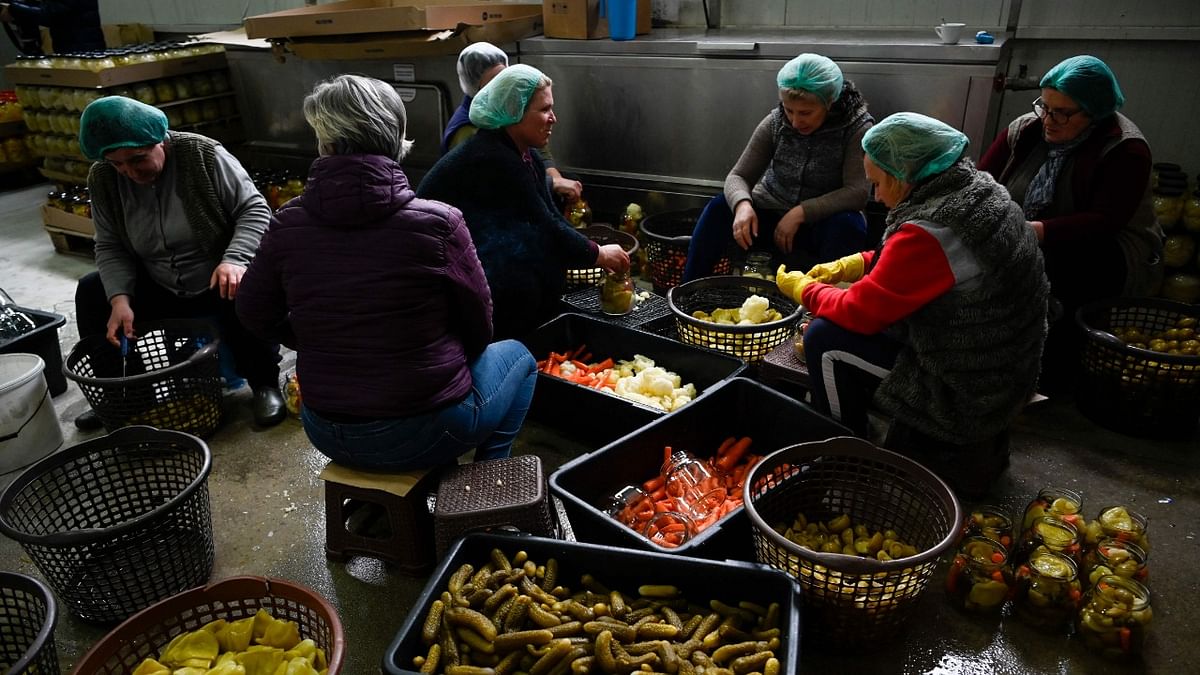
pixel 269 408
pixel 88 420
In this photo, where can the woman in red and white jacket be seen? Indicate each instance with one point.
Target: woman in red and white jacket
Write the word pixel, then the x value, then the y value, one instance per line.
pixel 943 324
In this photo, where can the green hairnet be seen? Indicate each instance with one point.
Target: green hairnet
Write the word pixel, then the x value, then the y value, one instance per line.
pixel 116 122
pixel 913 147
pixel 1089 82
pixel 813 73
pixel 503 101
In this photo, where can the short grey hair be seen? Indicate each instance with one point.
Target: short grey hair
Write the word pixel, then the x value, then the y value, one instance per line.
pixel 352 114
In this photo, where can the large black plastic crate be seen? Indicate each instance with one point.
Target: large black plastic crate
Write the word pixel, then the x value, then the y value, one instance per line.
pixel 42 341
pixel 739 407
pixel 619 569
pixel 596 418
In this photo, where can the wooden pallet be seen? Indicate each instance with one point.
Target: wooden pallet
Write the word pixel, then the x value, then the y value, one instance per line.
pixel 70 242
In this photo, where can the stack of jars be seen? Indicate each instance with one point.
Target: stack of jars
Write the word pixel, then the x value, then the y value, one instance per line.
pixel 1177 209
pixel 72 199
pixel 278 186
pixel 14 151
pixel 96 61
pixel 1059 571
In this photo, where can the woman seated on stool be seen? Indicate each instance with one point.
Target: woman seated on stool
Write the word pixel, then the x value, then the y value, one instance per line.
pixel 799 181
pixel 943 325
pixel 383 298
pixel 1081 172
pixel 499 184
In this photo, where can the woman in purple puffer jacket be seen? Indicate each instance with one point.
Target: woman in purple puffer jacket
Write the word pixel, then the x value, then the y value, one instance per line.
pixel 384 300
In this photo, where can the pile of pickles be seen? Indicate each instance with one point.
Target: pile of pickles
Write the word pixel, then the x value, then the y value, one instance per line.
pixel 1059 571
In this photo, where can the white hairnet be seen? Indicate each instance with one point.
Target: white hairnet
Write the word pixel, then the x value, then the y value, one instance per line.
pixel 476 60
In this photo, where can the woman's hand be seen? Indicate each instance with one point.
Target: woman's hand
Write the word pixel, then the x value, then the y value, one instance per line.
pixel 745 224
pixel 613 258
pixel 571 190
pixel 120 320
pixel 226 279
pixel 785 231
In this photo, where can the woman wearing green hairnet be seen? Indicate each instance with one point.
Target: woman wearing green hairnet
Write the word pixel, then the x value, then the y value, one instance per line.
pixel 943 323
pixel 499 184
pixel 1081 172
pixel 799 182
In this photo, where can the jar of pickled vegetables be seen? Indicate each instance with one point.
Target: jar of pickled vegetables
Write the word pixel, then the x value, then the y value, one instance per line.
pixel 192 114
pixel 145 92
pixel 53 200
pixel 1114 617
pixel 1052 534
pixel 758 266
pixel 201 84
pixel 979 580
pixel 1054 501
pixel 1120 523
pixel 183 88
pixel 81 205
pixel 1047 590
pixel 14 147
pixel 990 522
pixel 1191 212
pixel 1113 556
pixel 579 213
pixel 616 293
pixel 1168 205
pixel 165 91
pixel 209 110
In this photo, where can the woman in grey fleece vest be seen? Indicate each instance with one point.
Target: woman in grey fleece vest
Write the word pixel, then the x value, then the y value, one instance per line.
pixel 798 189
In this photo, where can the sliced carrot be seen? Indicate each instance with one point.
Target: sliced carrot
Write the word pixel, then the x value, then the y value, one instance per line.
pixel 603 365
pixel 666 455
pixel 731 458
pixel 654 483
pixel 726 445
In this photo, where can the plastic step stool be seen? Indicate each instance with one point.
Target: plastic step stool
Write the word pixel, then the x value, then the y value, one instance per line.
pixel 380 515
pixel 505 493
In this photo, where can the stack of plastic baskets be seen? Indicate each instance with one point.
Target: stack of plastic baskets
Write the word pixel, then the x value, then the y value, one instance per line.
pixel 27 618
pixel 117 523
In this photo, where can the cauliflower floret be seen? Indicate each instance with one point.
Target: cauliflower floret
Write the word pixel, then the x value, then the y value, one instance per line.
pixel 754 309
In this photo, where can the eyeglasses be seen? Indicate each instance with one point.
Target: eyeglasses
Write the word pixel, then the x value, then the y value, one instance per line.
pixel 1057 116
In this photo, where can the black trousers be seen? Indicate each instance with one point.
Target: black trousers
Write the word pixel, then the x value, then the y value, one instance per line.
pixel 254 359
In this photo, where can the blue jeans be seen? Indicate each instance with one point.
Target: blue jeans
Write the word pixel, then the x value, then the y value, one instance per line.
pixel 838 235
pixel 487 419
pixel 845 368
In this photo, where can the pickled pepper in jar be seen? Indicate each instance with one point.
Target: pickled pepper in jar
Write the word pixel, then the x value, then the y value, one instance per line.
pixel 979 580
pixel 1057 502
pixel 1050 533
pixel 1113 556
pixel 1114 617
pixel 616 293
pixel 578 213
pixel 1047 590
pixel 990 522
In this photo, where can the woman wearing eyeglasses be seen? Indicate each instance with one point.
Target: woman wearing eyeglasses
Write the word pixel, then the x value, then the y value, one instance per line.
pixel 1081 172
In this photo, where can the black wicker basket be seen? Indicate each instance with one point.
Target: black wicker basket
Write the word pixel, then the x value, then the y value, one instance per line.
pixel 171 378
pixel 850 599
pixel 27 618
pixel 602 235
pixel 751 342
pixel 118 522
pixel 1133 390
pixel 667 237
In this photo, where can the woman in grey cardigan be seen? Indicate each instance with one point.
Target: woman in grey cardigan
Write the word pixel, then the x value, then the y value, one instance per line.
pixel 799 185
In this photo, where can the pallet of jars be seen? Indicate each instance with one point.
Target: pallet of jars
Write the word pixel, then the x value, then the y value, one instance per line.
pixel 1177 209
pixel 185 99
pixel 112 67
pixel 1058 571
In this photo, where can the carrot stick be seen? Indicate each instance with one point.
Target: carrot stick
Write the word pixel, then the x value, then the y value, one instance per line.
pixel 575 353
pixel 653 484
pixel 666 455
pixel 734 454
pixel 603 365
pixel 726 445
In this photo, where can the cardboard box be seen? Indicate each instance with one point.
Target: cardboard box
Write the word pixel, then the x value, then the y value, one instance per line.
pixel 385 16
pixel 111 77
pixel 61 220
pixel 412 43
pixel 580 19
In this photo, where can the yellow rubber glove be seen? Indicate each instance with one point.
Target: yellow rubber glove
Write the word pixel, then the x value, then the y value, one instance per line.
pixel 792 284
pixel 850 268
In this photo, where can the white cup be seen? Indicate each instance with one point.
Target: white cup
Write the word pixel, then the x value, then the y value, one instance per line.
pixel 950 32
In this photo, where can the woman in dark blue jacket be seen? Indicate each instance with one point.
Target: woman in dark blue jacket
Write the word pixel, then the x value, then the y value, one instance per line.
pixel 74 24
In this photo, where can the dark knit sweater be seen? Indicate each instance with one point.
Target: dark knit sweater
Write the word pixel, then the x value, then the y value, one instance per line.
pixel 971 356
pixel 524 243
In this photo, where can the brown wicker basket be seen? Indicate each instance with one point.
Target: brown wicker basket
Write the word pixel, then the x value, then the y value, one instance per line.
pixel 146 632
pixel 850 599
pixel 667 237
pixel 751 342
pixel 602 235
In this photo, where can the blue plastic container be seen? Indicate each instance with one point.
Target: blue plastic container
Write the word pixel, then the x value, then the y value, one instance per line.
pixel 622 18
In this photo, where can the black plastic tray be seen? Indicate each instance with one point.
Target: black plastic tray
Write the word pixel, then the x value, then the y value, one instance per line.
pixel 739 407
pixel 587 301
pixel 42 341
pixel 619 569
pixel 597 418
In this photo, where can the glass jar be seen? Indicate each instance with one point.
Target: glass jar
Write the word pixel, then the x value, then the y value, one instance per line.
pixel 81 205
pixel 1113 556
pixel 54 198
pixel 616 293
pixel 145 92
pixel 669 529
pixel 979 580
pixel 1120 523
pixel 165 91
pixel 1052 534
pixel 990 522
pixel 219 81
pixel 1054 501
pixel 1047 590
pixel 209 110
pixel 174 117
pixel 1168 205
pixel 1160 168
pixel 629 506
pixel 1114 617
pixel 201 84
pixel 758 266
pixel 578 213
pixel 692 485
pixel 1191 212
pixel 192 114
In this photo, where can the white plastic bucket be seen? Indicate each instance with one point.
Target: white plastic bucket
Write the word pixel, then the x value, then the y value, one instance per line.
pixel 29 429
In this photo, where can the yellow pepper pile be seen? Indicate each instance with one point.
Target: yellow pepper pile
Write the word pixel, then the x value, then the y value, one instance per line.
pixel 256 645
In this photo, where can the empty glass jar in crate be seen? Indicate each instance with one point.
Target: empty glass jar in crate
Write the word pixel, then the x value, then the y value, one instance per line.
pixel 1114 617
pixel 1048 591
pixel 693 486
pixel 979 579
